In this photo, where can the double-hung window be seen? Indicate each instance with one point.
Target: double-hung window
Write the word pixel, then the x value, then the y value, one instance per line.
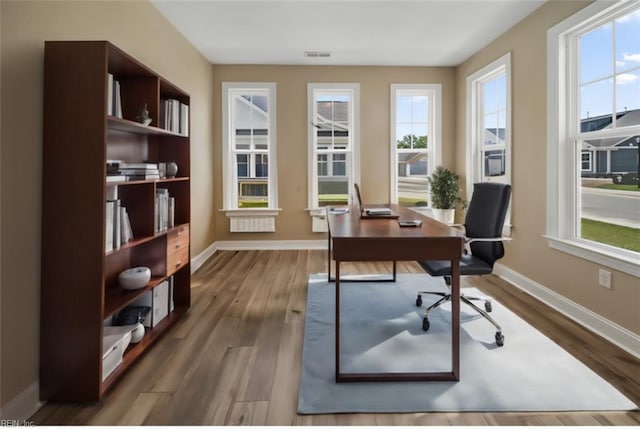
pixel 333 121
pixel 593 207
pixel 415 141
pixel 249 153
pixel 489 126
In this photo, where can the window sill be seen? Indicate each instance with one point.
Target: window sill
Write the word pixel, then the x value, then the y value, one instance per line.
pixel 624 261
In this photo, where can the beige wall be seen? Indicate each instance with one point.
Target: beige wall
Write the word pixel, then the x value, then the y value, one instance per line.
pixel 529 254
pixel 140 30
pixel 294 222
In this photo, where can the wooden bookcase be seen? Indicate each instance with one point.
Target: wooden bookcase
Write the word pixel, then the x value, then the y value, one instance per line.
pixel 80 289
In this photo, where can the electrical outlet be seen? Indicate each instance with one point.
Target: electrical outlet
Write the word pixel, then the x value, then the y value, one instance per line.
pixel 604 278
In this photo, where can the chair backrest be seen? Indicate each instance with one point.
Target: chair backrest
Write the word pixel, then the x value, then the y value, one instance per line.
pixel 485 219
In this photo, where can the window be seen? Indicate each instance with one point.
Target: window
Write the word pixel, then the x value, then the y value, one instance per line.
pixel 489 126
pixel 333 143
pixel 249 151
pixel 415 141
pixel 594 135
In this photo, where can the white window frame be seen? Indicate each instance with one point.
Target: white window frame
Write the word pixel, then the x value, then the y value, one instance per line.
pixel 434 140
pixel 248 219
pixel 563 192
pixel 353 89
pixel 475 132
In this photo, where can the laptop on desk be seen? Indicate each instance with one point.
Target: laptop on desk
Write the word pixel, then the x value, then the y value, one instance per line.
pixel 372 212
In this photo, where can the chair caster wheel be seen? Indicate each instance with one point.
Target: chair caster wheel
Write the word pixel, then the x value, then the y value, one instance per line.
pixel 487 306
pixel 499 339
pixel 425 324
pixel 419 301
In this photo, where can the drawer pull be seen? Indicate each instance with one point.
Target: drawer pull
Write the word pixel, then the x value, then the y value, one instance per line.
pixel 178 263
pixel 177 246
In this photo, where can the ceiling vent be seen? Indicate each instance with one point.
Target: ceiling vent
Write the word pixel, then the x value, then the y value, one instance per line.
pixel 317 54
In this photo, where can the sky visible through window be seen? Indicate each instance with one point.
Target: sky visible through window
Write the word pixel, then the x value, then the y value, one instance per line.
pixel 610 68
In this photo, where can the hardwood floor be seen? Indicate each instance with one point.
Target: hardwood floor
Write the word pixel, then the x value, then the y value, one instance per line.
pixel 235 358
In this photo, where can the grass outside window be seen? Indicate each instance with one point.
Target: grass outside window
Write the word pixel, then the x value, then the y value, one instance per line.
pixel 623 237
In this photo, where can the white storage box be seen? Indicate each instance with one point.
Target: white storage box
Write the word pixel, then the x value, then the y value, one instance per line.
pixel 158 300
pixel 115 340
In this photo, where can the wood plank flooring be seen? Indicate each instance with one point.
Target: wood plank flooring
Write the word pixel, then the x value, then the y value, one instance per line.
pixel 235 358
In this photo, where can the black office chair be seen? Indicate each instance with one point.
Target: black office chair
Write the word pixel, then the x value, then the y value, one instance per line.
pixel 483 247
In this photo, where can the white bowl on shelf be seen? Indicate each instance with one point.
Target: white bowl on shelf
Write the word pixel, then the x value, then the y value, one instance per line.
pixel 134 278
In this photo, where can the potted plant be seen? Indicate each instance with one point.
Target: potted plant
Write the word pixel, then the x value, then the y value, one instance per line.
pixel 444 190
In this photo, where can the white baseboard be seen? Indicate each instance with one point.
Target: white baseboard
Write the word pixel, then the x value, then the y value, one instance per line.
pixel 197 262
pixel 272 245
pixel 256 245
pixel 618 335
pixel 22 407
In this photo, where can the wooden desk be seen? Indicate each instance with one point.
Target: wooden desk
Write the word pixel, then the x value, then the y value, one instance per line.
pixel 355 239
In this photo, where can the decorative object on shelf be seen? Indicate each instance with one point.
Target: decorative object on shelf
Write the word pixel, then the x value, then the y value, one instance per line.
pixel 131 315
pixel 171 169
pixel 134 278
pixel 137 333
pixel 143 117
pixel 444 188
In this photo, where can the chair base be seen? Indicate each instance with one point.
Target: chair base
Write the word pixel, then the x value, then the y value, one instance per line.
pixel 446 296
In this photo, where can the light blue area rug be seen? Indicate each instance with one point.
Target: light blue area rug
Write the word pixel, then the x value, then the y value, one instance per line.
pixel 381 330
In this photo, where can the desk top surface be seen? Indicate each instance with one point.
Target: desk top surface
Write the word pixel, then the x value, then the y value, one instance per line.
pixel 350 225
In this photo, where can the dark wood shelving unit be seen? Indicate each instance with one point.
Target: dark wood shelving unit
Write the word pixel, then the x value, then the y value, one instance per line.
pixel 80 289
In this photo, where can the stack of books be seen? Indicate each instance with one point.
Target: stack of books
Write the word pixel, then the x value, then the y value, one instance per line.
pixel 140 171
pixel 174 116
pixel 114 103
pixel 117 224
pixel 164 210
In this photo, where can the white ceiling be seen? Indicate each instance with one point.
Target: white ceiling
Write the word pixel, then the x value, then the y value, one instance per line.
pixel 356 32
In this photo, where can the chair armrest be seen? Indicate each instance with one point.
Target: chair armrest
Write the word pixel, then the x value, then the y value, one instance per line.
pixel 471 240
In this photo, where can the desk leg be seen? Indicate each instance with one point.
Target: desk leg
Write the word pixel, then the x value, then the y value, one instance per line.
pixel 329 258
pixel 337 319
pixel 455 320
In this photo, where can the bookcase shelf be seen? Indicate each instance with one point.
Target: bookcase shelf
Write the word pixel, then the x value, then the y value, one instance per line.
pixel 125 125
pixel 79 290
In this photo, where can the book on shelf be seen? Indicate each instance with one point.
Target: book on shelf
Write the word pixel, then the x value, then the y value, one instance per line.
pixel 117 234
pixel 111 193
pixel 109 94
pixel 118 229
pixel 117 101
pixel 140 171
pixel 126 231
pixel 108 233
pixel 116 178
pixel 184 120
pixel 174 116
pixel 114 101
pixel 171 216
pixel 161 219
pixel 139 165
pixel 132 177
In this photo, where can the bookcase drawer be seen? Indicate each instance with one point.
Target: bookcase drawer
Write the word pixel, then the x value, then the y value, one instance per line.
pixel 177 259
pixel 178 239
pixel 177 248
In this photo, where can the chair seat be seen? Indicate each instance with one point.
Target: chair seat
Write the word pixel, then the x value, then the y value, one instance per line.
pixel 469 265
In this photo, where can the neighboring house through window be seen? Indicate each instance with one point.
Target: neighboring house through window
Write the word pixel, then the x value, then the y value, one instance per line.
pixel 249 166
pixel 593 207
pixel 489 126
pixel 415 141
pixel 333 165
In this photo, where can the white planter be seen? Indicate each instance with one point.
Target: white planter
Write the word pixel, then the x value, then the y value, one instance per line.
pixel 444 215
